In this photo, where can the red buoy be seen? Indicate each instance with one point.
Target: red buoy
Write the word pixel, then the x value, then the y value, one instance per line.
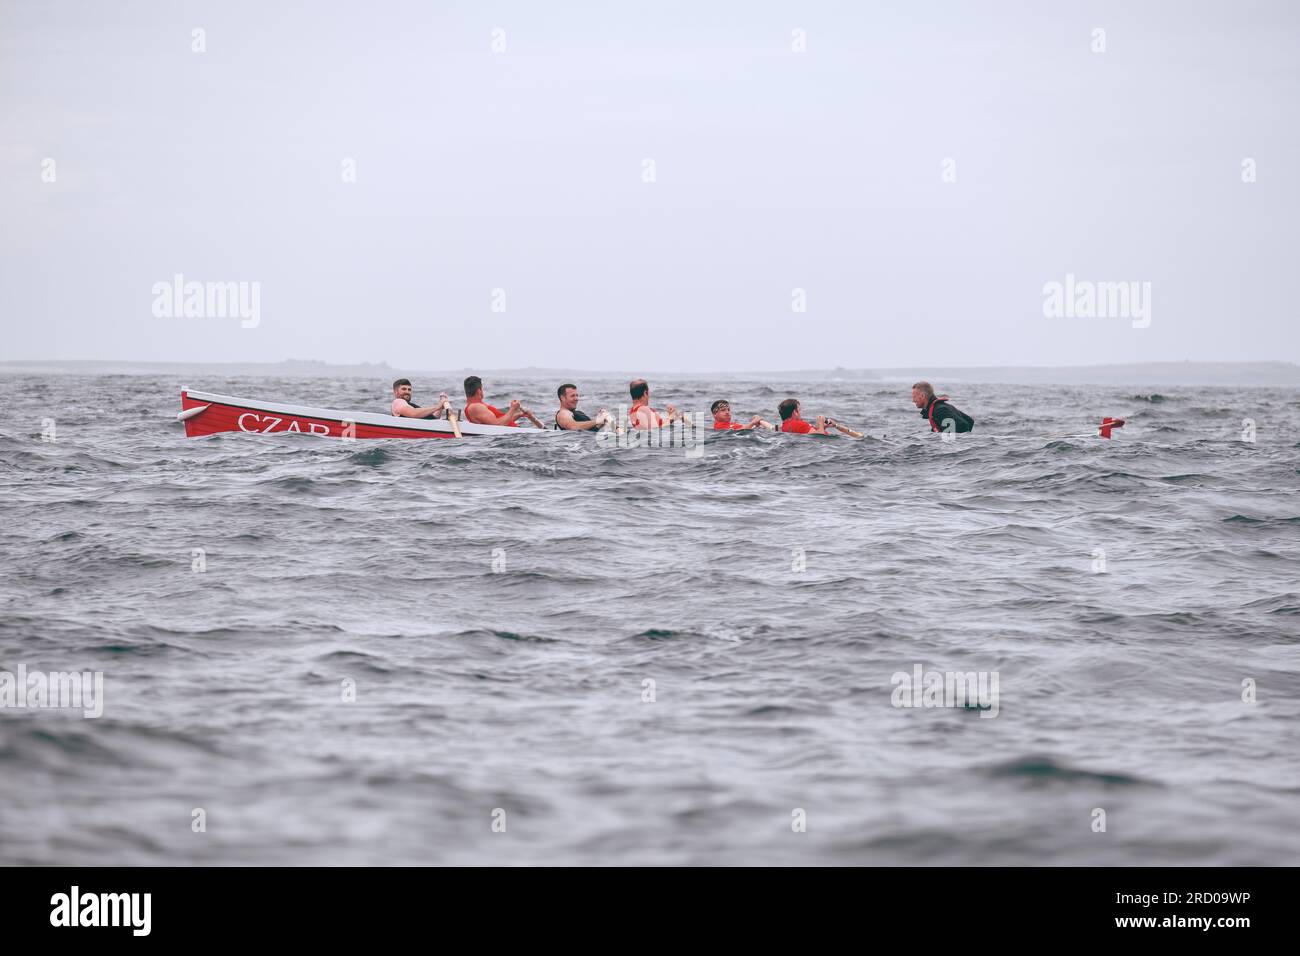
pixel 1108 423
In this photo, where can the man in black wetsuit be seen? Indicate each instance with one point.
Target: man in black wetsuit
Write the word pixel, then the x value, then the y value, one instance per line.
pixel 568 418
pixel 938 411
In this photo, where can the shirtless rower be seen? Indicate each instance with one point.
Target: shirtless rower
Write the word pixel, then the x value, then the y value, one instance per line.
pixel 404 403
pixel 481 413
pixel 569 418
pixel 641 415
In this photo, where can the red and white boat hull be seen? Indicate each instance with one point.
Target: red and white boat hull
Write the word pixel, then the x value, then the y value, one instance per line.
pixel 206 413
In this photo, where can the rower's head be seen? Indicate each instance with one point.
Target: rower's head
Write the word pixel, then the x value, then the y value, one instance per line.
pixel 789 409
pixel 568 396
pixel 474 388
pixel 721 411
pixel 639 389
pixel 402 389
pixel 922 392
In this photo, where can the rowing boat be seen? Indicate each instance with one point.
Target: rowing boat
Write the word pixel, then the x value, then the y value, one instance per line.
pixel 206 413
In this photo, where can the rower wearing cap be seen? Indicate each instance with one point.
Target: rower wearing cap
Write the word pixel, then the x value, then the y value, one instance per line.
pixel 481 413
pixel 938 411
pixel 792 421
pixel 641 415
pixel 722 422
pixel 569 418
pixel 404 405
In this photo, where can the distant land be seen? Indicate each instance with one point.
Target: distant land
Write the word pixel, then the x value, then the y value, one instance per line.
pixel 1140 373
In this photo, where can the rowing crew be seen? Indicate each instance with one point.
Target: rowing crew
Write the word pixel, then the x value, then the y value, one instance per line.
pixel 481 412
pixel 936 409
pixel 942 415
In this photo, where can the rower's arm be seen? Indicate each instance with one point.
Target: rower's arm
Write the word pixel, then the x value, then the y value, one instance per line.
pixel 514 412
pixel 410 411
pixel 479 414
pixel 569 423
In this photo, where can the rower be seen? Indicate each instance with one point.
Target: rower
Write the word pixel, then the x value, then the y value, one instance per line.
pixel 792 421
pixel 404 405
pixel 641 415
pixel 569 418
pixel 722 422
pixel 481 413
pixel 938 411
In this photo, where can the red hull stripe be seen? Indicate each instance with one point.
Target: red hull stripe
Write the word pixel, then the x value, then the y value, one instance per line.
pixel 234 418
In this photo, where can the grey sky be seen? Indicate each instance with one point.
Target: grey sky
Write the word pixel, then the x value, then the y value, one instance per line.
pixel 776 170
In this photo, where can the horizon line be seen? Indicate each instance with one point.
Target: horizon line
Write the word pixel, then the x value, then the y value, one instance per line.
pixel 551 368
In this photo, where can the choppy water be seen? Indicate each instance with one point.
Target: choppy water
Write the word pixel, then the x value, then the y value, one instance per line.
pixel 373 562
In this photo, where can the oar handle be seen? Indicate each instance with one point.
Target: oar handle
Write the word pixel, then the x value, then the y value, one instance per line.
pixel 451 417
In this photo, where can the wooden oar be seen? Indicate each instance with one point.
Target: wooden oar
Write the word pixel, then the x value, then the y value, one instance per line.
pixel 848 431
pixel 529 415
pixel 451 417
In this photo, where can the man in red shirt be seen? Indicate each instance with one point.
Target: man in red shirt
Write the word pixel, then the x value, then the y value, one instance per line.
pixel 792 422
pixel 481 413
pixel 722 419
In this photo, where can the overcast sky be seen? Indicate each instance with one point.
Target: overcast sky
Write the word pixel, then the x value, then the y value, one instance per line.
pixel 524 170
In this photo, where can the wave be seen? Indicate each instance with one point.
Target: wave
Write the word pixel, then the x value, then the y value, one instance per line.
pixel 371 457
pixel 1045 770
